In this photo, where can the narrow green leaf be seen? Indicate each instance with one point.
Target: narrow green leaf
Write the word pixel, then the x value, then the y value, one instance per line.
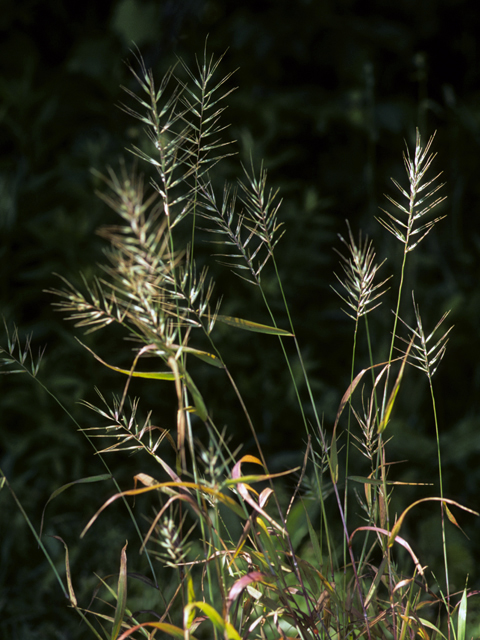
pixel 333 460
pixel 191 598
pixel 364 480
pixel 267 537
pixel 313 537
pixel 453 520
pixel 215 618
pixel 200 407
pixel 376 582
pixel 100 478
pixel 462 617
pixel 430 625
pixel 393 396
pixel 121 595
pixel 247 325
pixel 171 629
pixel 157 375
pixel 388 411
pixel 71 593
pixel 35 534
pixel 209 358
pixel 257 478
pixel 379 483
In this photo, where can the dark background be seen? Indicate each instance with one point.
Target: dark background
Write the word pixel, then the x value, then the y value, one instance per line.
pixel 328 91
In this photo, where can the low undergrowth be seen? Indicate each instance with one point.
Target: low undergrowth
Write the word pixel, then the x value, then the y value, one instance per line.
pixel 238 558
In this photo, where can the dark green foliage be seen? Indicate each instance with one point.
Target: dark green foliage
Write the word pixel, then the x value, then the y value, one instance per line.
pixel 328 91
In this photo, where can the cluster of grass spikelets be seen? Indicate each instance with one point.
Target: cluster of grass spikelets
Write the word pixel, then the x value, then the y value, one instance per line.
pixel 219 523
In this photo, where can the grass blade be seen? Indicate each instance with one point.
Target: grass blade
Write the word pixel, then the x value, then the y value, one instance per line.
pixel 121 594
pixel 71 593
pixel 393 396
pixel 156 375
pixel 171 629
pixel 103 476
pixel 247 325
pixel 462 617
pixel 228 630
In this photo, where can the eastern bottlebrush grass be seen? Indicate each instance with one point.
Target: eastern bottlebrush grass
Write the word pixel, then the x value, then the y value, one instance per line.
pixel 242 561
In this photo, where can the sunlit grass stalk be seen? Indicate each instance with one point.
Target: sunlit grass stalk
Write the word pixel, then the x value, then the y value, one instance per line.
pixel 260 220
pixel 183 150
pixel 405 232
pixel 427 358
pixel 362 294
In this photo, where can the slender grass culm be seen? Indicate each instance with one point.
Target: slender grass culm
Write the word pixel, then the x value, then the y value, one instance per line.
pixel 239 568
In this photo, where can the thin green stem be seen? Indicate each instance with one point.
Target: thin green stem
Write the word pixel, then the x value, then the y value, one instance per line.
pixel 35 534
pixel 97 452
pixel 440 477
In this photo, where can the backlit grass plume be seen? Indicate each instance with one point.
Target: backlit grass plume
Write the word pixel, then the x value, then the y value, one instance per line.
pixel 244 553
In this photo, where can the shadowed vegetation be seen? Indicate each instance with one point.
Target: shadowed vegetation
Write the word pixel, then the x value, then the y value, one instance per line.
pixel 227 543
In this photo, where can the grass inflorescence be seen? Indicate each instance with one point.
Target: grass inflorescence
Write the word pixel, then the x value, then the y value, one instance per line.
pixel 218 521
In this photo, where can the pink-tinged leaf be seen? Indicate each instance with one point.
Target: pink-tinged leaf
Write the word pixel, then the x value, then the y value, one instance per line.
pixel 398 539
pixel 121 595
pixel 145 479
pixel 264 496
pixel 226 500
pixel 237 472
pixel 242 583
pixel 243 490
